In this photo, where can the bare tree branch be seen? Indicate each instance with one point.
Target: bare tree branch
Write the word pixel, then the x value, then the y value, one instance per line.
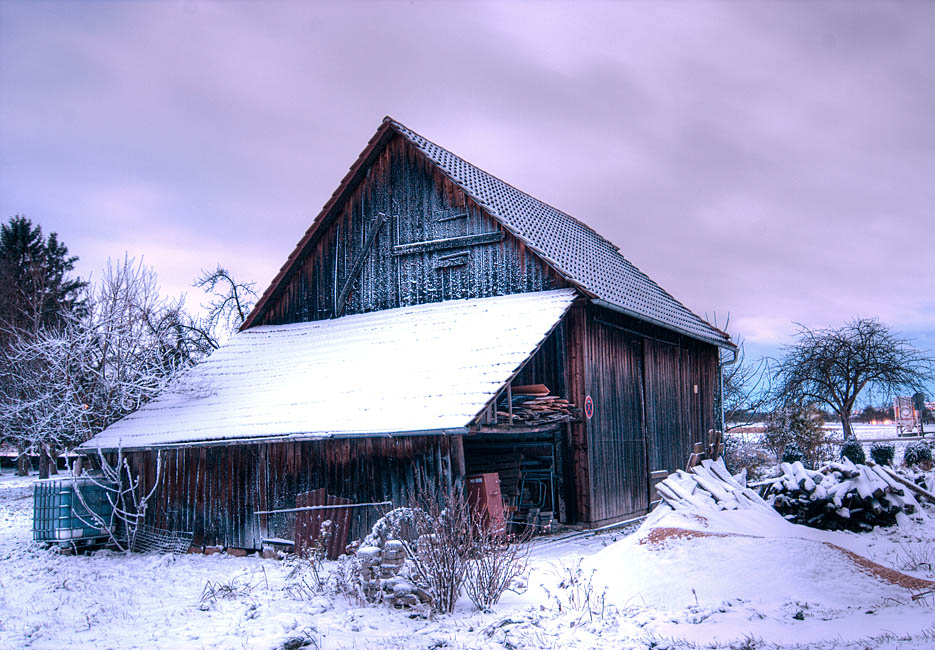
pixel 834 366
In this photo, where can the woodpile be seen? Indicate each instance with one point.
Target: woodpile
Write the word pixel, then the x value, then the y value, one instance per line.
pixel 534 405
pixel 840 496
pixel 709 487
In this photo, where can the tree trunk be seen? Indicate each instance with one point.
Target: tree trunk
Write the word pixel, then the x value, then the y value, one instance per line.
pixel 22 464
pixel 43 463
pixel 846 424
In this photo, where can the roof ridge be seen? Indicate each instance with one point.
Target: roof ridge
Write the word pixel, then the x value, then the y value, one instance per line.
pixel 397 125
pixel 414 137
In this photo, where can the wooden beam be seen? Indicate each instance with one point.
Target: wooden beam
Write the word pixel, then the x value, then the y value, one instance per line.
pixel 358 264
pixel 457 456
pixel 509 400
pixel 445 244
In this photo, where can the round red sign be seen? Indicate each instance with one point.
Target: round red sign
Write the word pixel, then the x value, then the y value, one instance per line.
pixel 588 407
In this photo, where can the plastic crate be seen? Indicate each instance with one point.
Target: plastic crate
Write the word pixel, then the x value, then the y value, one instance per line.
pixel 58 511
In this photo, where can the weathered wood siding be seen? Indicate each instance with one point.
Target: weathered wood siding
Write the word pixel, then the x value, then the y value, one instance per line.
pixel 647 414
pixel 616 439
pixel 547 365
pixel 421 205
pixel 215 491
pixel 680 386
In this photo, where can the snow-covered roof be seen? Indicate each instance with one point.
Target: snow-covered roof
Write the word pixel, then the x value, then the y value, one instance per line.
pixel 574 249
pixel 426 368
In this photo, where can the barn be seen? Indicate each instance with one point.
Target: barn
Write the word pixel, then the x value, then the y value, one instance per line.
pixel 433 323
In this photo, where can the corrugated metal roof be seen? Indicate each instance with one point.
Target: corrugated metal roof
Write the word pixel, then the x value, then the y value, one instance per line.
pixel 574 249
pixel 425 368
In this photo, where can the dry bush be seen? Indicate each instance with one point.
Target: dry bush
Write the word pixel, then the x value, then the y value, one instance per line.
pixel 499 563
pixel 576 591
pixel 446 542
pixel 918 557
pixel 452 550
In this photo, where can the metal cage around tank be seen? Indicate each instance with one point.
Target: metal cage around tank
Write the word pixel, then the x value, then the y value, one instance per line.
pixel 62 516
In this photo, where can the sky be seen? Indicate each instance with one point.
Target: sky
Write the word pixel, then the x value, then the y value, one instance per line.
pixel 774 162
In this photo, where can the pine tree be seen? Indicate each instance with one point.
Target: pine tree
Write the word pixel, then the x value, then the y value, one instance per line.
pixel 36 290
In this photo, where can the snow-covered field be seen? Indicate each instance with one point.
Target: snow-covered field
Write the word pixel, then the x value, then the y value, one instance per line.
pixel 743 581
pixel 866 433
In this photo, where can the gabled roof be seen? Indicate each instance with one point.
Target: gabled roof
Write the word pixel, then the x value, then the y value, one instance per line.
pixel 577 252
pixel 424 369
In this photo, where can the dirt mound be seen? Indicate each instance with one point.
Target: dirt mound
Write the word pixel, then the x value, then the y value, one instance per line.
pixel 657 536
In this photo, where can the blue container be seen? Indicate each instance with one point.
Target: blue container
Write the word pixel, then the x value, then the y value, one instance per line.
pixel 60 517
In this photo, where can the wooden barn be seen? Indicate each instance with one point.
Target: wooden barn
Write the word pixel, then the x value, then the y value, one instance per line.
pixel 433 323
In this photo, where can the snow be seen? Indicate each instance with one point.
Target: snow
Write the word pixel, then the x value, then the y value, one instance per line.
pixel 422 368
pixel 764 579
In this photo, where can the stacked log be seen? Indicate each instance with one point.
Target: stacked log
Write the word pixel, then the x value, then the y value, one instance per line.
pixel 709 487
pixel 840 496
pixel 534 405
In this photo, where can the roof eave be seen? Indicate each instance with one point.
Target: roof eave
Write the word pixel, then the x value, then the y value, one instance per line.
pixel 721 343
pixel 292 437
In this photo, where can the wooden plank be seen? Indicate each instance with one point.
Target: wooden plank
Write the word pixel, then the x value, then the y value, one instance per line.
pixel 358 263
pixel 445 244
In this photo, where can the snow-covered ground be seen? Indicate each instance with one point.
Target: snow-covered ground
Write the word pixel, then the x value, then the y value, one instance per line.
pixel 743 581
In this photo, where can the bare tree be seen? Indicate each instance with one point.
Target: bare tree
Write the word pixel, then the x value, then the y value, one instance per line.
pixel 834 366
pixel 232 300
pixel 125 495
pixel 744 384
pixel 745 389
pixel 65 384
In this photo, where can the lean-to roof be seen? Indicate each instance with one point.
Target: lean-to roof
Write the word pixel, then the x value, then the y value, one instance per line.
pixel 429 368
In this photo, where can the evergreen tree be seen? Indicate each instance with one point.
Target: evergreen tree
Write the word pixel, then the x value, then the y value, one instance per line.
pixel 36 289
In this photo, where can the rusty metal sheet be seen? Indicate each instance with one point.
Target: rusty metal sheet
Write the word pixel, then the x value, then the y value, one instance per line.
pixel 308 523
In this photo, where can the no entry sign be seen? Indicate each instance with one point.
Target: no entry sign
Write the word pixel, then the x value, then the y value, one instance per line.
pixel 588 407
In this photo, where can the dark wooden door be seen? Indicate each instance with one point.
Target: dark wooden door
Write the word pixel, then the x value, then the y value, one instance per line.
pixel 617 445
pixel 666 425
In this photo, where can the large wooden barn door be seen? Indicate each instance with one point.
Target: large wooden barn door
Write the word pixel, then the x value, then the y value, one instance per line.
pixel 666 423
pixel 617 443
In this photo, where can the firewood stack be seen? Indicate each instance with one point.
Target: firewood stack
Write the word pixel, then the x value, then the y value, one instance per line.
pixel 534 405
pixel 709 487
pixel 840 496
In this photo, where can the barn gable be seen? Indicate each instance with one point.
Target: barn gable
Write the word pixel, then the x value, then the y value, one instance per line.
pixel 403 234
pixel 489 238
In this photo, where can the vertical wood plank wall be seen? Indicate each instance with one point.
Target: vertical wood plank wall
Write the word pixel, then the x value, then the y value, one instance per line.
pixel 215 491
pixel 547 365
pixel 616 440
pixel 421 205
pixel 646 412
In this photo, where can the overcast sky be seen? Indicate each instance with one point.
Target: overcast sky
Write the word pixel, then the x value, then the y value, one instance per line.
pixel 771 161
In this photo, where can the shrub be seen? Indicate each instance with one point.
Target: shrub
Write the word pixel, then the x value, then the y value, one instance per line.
pixel 918 453
pixel 802 425
pixel 498 566
pixel 853 450
pixel 882 453
pixel 446 541
pixel 741 455
pixel 793 453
